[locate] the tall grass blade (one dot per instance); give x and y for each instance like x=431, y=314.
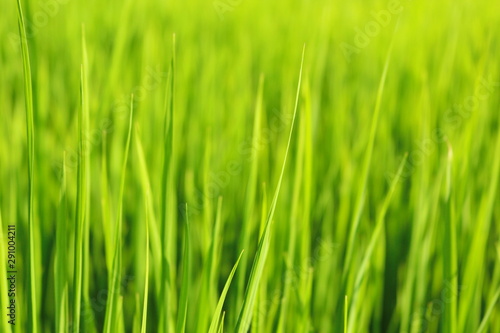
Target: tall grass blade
x=250, y=193
x=30, y=130
x=450, y=264
x=217, y=320
x=245, y=316
x=146, y=271
x=489, y=311
x=368, y=256
x=152, y=222
x=81, y=204
x=209, y=283
x=111, y=320
x=186, y=280
x=168, y=227
x=351, y=242
x=61, y=276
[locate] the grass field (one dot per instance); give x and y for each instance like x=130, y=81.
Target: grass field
x=248, y=165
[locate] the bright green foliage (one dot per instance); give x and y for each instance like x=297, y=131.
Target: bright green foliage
x=191, y=166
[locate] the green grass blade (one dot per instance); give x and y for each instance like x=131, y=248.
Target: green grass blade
x=250, y=193
x=209, y=283
x=368, y=256
x=136, y=324
x=489, y=311
x=112, y=309
x=346, y=312
x=105, y=206
x=221, y=326
x=366, y=163
x=119, y=323
x=294, y=220
x=81, y=203
x=152, y=222
x=245, y=316
x=168, y=227
x=146, y=272
x=30, y=130
x=450, y=263
x=474, y=268
x=186, y=279
x=217, y=321
x=61, y=276
x=259, y=319
x=89, y=324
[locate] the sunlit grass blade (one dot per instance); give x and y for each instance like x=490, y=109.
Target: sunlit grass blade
x=209, y=282
x=250, y=192
x=450, y=264
x=489, y=311
x=221, y=326
x=217, y=320
x=293, y=224
x=306, y=227
x=368, y=256
x=152, y=222
x=245, y=316
x=186, y=280
x=119, y=323
x=346, y=313
x=81, y=203
x=89, y=323
x=105, y=206
x=136, y=324
x=4, y=301
x=112, y=307
x=61, y=276
x=97, y=183
x=260, y=313
x=351, y=242
x=146, y=271
x=473, y=274
x=31, y=294
x=168, y=227
x=427, y=202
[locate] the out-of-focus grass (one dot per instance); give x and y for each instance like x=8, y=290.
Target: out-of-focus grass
x=388, y=183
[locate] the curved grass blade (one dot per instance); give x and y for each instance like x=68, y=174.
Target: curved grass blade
x=250, y=193
x=298, y=190
x=245, y=316
x=152, y=222
x=209, y=283
x=491, y=307
x=473, y=273
x=221, y=326
x=216, y=319
x=379, y=227
x=367, y=162
x=259, y=319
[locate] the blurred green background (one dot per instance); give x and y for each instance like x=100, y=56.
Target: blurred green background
x=425, y=260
